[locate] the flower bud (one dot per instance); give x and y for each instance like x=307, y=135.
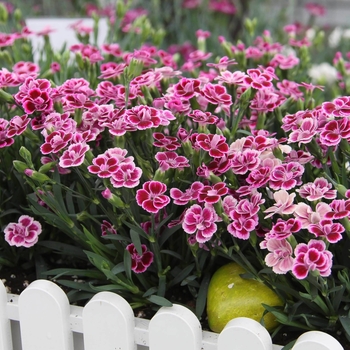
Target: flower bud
x=20, y=166
x=36, y=176
x=26, y=155
x=3, y=13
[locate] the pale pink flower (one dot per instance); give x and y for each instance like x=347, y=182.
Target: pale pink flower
x=334, y=131
x=143, y=117
x=23, y=233
x=284, y=204
x=307, y=216
x=280, y=256
x=245, y=161
x=308, y=129
x=283, y=229
x=231, y=78
x=316, y=190
x=74, y=155
x=18, y=125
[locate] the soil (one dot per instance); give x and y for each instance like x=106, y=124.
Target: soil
x=16, y=280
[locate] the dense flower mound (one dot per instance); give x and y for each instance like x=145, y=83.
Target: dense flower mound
x=175, y=162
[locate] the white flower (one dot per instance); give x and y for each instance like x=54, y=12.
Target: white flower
x=323, y=73
x=335, y=37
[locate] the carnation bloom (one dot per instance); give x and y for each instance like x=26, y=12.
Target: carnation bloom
x=24, y=233
x=284, y=204
x=280, y=256
x=312, y=257
x=139, y=263
x=200, y=221
x=151, y=197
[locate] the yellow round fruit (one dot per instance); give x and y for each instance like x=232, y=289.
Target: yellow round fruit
x=231, y=296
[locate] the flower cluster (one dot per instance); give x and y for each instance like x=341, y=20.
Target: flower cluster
x=158, y=165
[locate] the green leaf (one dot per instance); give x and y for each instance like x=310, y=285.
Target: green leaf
x=167, y=233
x=172, y=253
x=289, y=346
x=118, y=268
x=345, y=322
x=181, y=276
x=156, y=299
x=138, y=229
x=150, y=291
x=57, y=273
x=127, y=264
x=63, y=248
x=135, y=238
x=99, y=261
x=202, y=295
x=96, y=243
x=76, y=285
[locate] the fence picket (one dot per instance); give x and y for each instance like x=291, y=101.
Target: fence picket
x=5, y=326
x=315, y=340
x=108, y=323
x=47, y=322
x=174, y=328
x=44, y=313
x=243, y=333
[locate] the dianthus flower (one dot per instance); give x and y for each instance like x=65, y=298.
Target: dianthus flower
x=139, y=263
x=312, y=257
x=151, y=197
x=24, y=233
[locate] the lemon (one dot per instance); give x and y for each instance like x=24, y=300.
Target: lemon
x=231, y=296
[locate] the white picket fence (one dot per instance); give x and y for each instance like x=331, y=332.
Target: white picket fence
x=42, y=319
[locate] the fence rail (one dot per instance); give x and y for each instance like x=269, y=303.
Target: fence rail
x=42, y=319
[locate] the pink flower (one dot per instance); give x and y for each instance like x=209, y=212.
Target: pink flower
x=334, y=131
x=107, y=228
x=217, y=95
x=170, y=143
x=307, y=216
x=286, y=176
x=143, y=117
x=203, y=118
x=283, y=229
x=312, y=257
x=55, y=141
x=24, y=233
x=316, y=190
x=284, y=204
x=214, y=144
x=257, y=79
x=88, y=52
x=74, y=155
x=223, y=6
x=182, y=198
x=212, y=194
x=308, y=129
x=151, y=197
x=18, y=125
x=200, y=221
x=186, y=88
x=244, y=161
x=280, y=256
x=327, y=229
x=340, y=107
x=139, y=263
x=284, y=62
x=340, y=209
x=172, y=160
x=242, y=226
x=315, y=9
x=104, y=166
x=37, y=100
x=127, y=175
x=111, y=70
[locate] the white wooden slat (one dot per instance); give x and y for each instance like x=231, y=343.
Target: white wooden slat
x=243, y=333
x=315, y=340
x=108, y=323
x=175, y=328
x=5, y=326
x=44, y=313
